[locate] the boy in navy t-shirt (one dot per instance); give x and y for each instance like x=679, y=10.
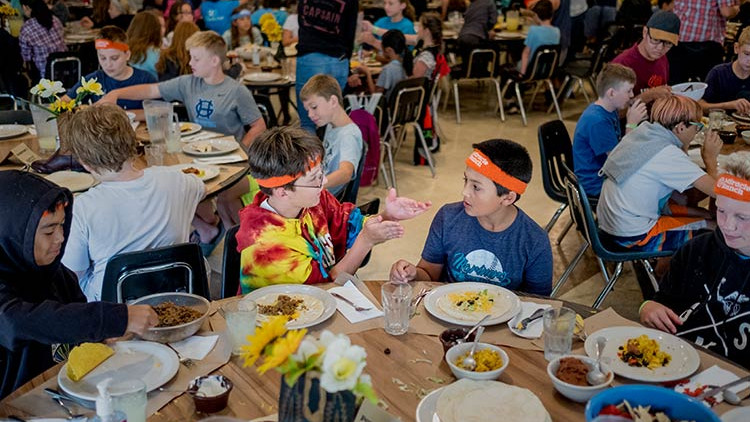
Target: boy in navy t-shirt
x=486, y=237
x=729, y=83
x=113, y=53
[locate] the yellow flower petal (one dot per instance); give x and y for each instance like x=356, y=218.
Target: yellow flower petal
x=282, y=349
x=265, y=334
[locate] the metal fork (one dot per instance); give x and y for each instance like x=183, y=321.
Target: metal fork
x=183, y=360
x=352, y=304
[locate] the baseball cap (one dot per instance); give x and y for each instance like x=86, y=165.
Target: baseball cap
x=664, y=26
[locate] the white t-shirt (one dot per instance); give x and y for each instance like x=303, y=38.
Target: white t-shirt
x=292, y=24
x=632, y=207
x=342, y=144
x=152, y=211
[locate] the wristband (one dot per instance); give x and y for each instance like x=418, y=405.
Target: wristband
x=631, y=126
x=642, y=305
x=375, y=30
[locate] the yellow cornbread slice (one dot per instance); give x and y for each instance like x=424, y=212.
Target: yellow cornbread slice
x=84, y=358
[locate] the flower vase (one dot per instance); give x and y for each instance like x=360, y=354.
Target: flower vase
x=307, y=401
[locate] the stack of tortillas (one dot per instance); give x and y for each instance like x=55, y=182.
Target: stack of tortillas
x=480, y=401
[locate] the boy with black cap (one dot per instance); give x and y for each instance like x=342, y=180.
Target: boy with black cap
x=648, y=58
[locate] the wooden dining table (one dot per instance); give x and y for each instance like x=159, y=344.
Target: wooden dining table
x=229, y=174
x=412, y=360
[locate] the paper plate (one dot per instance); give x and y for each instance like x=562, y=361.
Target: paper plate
x=11, y=131
x=72, y=180
x=262, y=77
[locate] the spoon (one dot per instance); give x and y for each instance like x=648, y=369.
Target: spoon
x=596, y=376
x=469, y=363
x=733, y=398
x=474, y=328
x=166, y=390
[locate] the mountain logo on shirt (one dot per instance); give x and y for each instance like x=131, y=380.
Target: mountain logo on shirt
x=204, y=109
x=478, y=265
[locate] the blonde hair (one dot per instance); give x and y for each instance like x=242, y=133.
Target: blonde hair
x=671, y=110
x=612, y=76
x=323, y=86
x=738, y=164
x=144, y=33
x=744, y=37
x=177, y=51
x=99, y=136
x=211, y=41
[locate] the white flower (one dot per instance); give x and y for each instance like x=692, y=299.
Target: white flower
x=47, y=88
x=342, y=363
x=307, y=348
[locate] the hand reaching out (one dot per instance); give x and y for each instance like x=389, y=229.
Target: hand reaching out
x=376, y=230
x=658, y=316
x=741, y=105
x=141, y=318
x=401, y=208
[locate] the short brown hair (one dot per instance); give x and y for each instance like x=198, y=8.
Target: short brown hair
x=282, y=151
x=99, y=136
x=672, y=110
x=612, y=76
x=211, y=41
x=113, y=33
x=323, y=86
x=744, y=37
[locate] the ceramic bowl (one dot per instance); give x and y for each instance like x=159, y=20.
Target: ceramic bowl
x=460, y=349
x=692, y=90
x=577, y=393
x=210, y=404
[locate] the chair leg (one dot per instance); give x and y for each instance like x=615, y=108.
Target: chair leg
x=592, y=81
x=583, y=89
x=554, y=98
x=502, y=95
x=390, y=157
x=427, y=153
x=651, y=276
x=499, y=99
x=610, y=281
x=573, y=264
x=520, y=104
x=564, y=232
x=455, y=100
x=555, y=216
x=533, y=95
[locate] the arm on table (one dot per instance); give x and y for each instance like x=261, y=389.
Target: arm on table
x=742, y=105
x=654, y=314
x=135, y=92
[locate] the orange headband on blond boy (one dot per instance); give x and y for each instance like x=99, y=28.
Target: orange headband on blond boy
x=102, y=44
x=484, y=166
x=278, y=181
x=733, y=187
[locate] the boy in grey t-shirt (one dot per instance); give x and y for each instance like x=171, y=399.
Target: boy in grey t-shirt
x=212, y=99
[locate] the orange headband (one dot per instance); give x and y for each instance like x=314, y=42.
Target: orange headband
x=479, y=162
x=278, y=181
x=58, y=207
x=102, y=44
x=733, y=187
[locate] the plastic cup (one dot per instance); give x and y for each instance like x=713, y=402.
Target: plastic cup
x=396, y=301
x=558, y=332
x=240, y=317
x=154, y=155
x=129, y=397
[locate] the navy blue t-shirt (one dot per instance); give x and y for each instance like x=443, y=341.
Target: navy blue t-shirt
x=724, y=85
x=597, y=133
x=108, y=84
x=517, y=258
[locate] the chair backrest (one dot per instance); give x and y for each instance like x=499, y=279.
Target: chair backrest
x=543, y=62
x=406, y=101
x=64, y=67
x=8, y=102
x=181, y=111
x=601, y=56
x=481, y=64
x=230, y=264
x=131, y=275
x=556, y=151
x=20, y=117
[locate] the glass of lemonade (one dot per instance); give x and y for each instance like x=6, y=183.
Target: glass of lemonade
x=129, y=397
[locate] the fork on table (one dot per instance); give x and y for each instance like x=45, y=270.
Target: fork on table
x=352, y=304
x=189, y=363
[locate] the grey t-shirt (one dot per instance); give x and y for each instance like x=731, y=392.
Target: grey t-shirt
x=391, y=74
x=479, y=18
x=226, y=107
x=342, y=144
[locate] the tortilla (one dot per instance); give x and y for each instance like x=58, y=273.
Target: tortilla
x=311, y=309
x=479, y=401
x=473, y=304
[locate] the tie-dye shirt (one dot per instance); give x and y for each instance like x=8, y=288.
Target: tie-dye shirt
x=278, y=250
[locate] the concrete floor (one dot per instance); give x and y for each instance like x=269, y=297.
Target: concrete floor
x=480, y=122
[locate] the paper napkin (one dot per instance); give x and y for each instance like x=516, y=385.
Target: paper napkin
x=713, y=377
x=535, y=328
x=350, y=291
x=224, y=159
x=195, y=347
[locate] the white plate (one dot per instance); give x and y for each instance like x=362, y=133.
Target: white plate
x=739, y=414
x=528, y=332
x=190, y=127
x=509, y=36
x=685, y=359
x=741, y=117
x=329, y=303
x=209, y=172
x=261, y=77
x=218, y=147
x=427, y=407
x=73, y=180
x=11, y=131
x=153, y=363
x=430, y=302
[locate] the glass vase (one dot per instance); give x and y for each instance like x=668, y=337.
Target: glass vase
x=307, y=401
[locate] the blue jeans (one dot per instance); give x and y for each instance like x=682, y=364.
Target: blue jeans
x=313, y=64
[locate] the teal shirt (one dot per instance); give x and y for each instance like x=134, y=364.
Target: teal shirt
x=149, y=63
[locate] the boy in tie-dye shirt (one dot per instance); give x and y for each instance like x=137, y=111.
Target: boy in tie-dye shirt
x=297, y=232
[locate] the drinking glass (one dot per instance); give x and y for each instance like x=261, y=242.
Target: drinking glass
x=715, y=119
x=240, y=317
x=129, y=397
x=173, y=135
x=158, y=117
x=46, y=129
x=396, y=301
x=558, y=331
x=154, y=155
x=512, y=20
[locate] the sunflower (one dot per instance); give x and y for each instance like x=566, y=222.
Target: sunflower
x=282, y=348
x=264, y=335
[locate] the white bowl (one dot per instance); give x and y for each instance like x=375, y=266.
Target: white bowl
x=576, y=393
x=684, y=89
x=460, y=349
x=745, y=136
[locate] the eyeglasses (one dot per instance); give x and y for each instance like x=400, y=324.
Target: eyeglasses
x=699, y=125
x=664, y=44
x=320, y=178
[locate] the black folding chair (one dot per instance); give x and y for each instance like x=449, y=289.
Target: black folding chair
x=481, y=67
x=65, y=67
x=230, y=264
x=555, y=150
x=543, y=65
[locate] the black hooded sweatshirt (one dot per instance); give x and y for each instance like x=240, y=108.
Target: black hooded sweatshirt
x=713, y=280
x=40, y=305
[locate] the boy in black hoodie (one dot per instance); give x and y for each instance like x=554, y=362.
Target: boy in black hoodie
x=40, y=300
x=705, y=296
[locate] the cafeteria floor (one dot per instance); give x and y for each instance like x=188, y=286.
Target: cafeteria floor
x=480, y=122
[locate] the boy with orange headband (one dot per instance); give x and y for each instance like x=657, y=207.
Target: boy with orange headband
x=487, y=238
x=297, y=232
x=705, y=296
x=113, y=53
